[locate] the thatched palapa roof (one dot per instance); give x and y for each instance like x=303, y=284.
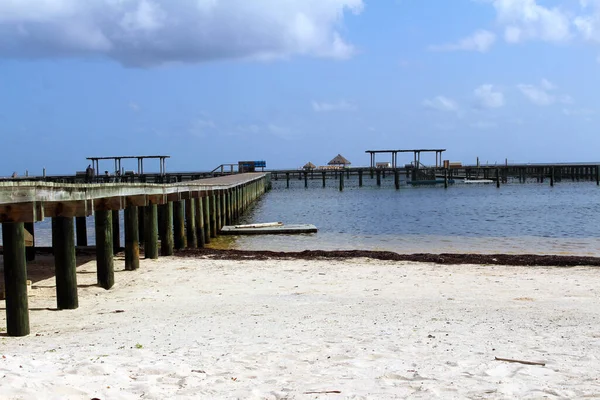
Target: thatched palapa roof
x=309, y=165
x=339, y=160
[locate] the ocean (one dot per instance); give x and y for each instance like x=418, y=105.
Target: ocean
x=529, y=218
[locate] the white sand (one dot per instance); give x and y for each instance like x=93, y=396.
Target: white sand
x=194, y=328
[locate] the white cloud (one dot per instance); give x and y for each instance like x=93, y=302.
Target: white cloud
x=480, y=41
x=543, y=95
x=489, y=97
x=341, y=105
x=199, y=127
x=154, y=32
x=527, y=20
x=441, y=103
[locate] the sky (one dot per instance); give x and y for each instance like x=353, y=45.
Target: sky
x=210, y=82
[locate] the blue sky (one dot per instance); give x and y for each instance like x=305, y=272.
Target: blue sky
x=290, y=81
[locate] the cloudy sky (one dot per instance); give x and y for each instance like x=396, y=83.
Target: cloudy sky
x=290, y=81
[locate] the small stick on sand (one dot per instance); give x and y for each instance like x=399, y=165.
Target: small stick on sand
x=324, y=392
x=520, y=361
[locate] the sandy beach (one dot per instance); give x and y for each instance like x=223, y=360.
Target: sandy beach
x=295, y=329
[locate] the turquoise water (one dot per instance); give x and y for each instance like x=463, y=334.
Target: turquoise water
x=517, y=218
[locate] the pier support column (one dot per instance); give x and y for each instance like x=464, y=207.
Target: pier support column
x=151, y=231
x=323, y=177
x=206, y=217
x=190, y=224
x=396, y=179
x=341, y=181
x=178, y=225
x=371, y=172
x=81, y=228
x=30, y=250
x=287, y=180
x=166, y=229
x=305, y=179
x=132, y=240
x=116, y=232
x=360, y=178
x=445, y=178
x=141, y=220
x=219, y=213
x=65, y=267
x=200, y=222
x=227, y=207
x=497, y=177
x=551, y=176
x=213, y=214
x=378, y=178
x=15, y=279
x=104, y=249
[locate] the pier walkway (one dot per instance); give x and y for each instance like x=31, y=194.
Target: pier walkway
x=182, y=214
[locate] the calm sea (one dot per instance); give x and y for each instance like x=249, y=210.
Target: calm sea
x=517, y=218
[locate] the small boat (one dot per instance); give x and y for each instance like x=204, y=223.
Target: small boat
x=479, y=181
x=268, y=228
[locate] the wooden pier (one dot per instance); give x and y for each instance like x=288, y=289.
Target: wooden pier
x=181, y=214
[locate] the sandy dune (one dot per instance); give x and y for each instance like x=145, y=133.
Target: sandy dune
x=199, y=328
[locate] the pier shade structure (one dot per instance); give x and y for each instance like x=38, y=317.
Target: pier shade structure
x=195, y=210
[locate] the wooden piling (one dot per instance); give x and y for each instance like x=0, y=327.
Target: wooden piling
x=81, y=228
x=378, y=177
x=116, y=232
x=206, y=216
x=15, y=279
x=104, y=249
x=323, y=177
x=30, y=250
x=551, y=176
x=190, y=224
x=287, y=179
x=497, y=177
x=151, y=231
x=132, y=240
x=219, y=213
x=178, y=225
x=305, y=179
x=141, y=223
x=213, y=215
x=65, y=267
x=360, y=178
x=396, y=179
x=445, y=178
x=200, y=222
x=341, y=181
x=597, y=175
x=166, y=229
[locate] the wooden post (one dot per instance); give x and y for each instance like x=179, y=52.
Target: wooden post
x=305, y=179
x=213, y=214
x=341, y=181
x=81, y=228
x=200, y=222
x=287, y=179
x=132, y=240
x=497, y=177
x=116, y=232
x=190, y=224
x=65, y=267
x=378, y=177
x=445, y=178
x=178, y=225
x=104, y=249
x=166, y=229
x=151, y=232
x=223, y=208
x=396, y=179
x=551, y=176
x=30, y=250
x=206, y=217
x=360, y=178
x=226, y=207
x=323, y=177
x=141, y=223
x=15, y=279
x=219, y=213
x=371, y=171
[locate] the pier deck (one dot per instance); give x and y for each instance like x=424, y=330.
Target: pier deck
x=183, y=214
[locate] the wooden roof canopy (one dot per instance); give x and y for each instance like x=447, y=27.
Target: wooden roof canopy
x=339, y=160
x=309, y=165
